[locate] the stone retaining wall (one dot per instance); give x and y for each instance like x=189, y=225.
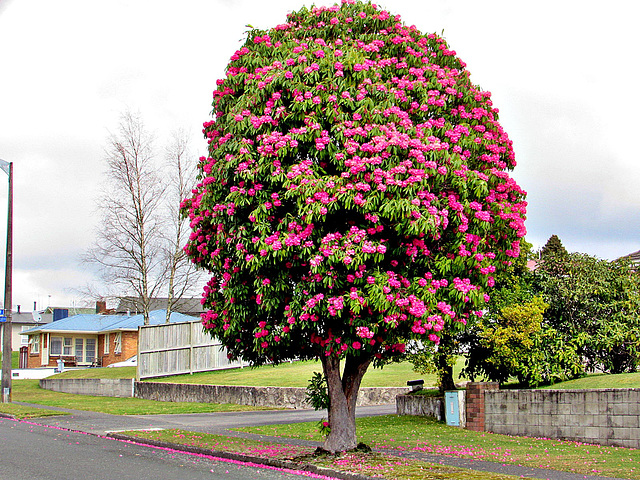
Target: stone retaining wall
x=420, y=405
x=278, y=397
x=287, y=397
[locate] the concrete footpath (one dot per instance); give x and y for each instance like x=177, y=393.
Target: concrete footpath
x=221, y=423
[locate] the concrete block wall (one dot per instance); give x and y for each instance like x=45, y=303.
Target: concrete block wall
x=605, y=417
x=101, y=387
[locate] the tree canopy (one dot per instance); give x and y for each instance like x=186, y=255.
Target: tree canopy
x=595, y=304
x=355, y=195
x=580, y=313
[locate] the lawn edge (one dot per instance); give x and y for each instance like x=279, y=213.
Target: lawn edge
x=307, y=467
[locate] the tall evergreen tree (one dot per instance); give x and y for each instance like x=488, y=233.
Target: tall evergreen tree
x=553, y=256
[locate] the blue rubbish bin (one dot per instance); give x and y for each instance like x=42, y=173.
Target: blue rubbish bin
x=455, y=408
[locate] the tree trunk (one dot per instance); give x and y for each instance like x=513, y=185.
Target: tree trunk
x=446, y=374
x=444, y=360
x=343, y=393
x=172, y=276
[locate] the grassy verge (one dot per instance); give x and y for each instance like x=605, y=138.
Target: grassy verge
x=422, y=434
x=29, y=391
x=374, y=464
x=22, y=412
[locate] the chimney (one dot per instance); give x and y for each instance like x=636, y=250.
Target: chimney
x=101, y=307
x=18, y=308
x=34, y=306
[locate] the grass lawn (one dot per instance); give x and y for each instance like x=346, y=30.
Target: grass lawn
x=22, y=412
x=423, y=434
x=115, y=372
x=622, y=380
x=295, y=374
x=363, y=463
x=29, y=391
x=15, y=359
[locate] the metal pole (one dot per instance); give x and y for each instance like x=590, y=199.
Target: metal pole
x=7, y=328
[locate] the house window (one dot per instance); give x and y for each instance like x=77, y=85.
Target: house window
x=117, y=343
x=56, y=346
x=34, y=344
x=90, y=350
x=67, y=347
x=24, y=339
x=85, y=350
x=79, y=349
x=107, y=337
x=62, y=346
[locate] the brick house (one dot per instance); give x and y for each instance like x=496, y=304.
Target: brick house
x=90, y=339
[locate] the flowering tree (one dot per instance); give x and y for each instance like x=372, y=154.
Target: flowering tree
x=355, y=197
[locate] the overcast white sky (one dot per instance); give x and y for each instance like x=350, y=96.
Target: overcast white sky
x=562, y=73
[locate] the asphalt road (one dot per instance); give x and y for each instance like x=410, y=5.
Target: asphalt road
x=35, y=452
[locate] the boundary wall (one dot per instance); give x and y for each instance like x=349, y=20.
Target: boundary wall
x=99, y=387
x=602, y=416
x=277, y=397
x=421, y=405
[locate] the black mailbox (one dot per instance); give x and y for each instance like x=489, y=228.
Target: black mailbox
x=415, y=384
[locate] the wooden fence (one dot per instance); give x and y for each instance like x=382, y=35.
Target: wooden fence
x=179, y=348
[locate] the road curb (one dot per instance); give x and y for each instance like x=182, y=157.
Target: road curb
x=307, y=467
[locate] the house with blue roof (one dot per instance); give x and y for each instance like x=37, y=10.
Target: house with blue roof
x=91, y=339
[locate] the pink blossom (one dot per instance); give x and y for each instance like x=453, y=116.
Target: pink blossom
x=364, y=332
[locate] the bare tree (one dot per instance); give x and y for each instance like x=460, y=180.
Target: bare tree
x=181, y=274
x=128, y=245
